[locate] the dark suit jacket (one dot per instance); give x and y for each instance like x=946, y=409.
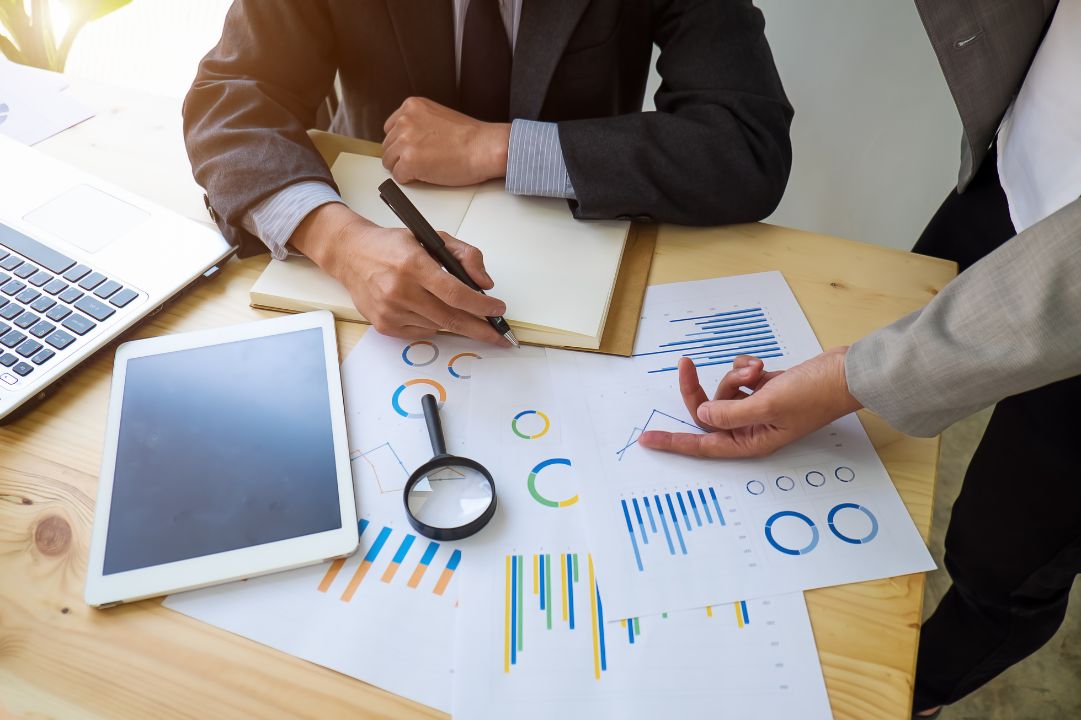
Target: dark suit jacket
x=716, y=150
x=985, y=48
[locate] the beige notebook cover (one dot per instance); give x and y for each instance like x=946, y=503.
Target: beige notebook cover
x=556, y=274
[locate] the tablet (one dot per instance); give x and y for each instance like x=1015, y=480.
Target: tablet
x=225, y=458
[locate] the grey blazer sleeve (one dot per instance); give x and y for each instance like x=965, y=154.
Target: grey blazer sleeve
x=246, y=115
x=1010, y=323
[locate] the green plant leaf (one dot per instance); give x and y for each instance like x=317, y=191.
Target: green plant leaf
x=93, y=9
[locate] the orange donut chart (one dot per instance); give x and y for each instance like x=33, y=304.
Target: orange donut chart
x=395, y=401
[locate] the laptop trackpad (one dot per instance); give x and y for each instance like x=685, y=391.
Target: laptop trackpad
x=87, y=217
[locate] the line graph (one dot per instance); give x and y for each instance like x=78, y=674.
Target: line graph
x=638, y=430
x=386, y=466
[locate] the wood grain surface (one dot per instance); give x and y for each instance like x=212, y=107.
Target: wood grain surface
x=59, y=658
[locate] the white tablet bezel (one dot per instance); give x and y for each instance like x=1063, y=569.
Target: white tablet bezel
x=106, y=590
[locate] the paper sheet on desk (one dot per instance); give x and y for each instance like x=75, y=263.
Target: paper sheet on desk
x=32, y=104
x=821, y=512
x=534, y=637
x=386, y=614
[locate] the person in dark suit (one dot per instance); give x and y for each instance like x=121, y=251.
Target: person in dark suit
x=547, y=94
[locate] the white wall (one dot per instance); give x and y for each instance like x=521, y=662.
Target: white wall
x=150, y=45
x=876, y=139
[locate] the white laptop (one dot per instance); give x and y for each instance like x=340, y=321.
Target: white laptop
x=81, y=261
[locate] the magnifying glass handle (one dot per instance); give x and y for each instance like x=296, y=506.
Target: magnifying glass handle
x=435, y=425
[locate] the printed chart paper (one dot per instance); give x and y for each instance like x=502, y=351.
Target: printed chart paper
x=670, y=532
x=535, y=635
x=386, y=614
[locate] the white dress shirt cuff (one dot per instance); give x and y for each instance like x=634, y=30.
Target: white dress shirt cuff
x=275, y=218
x=535, y=161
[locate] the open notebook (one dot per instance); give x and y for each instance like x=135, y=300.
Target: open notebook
x=555, y=273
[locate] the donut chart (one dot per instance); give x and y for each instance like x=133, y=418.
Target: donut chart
x=532, y=484
x=426, y=355
x=755, y=487
x=396, y=400
x=844, y=474
x=543, y=431
x=815, y=479
x=851, y=540
x=455, y=373
x=787, y=550
x=785, y=483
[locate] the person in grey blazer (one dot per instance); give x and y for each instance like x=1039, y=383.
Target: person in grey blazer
x=546, y=94
x=1007, y=330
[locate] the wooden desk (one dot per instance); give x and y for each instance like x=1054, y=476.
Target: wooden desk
x=59, y=658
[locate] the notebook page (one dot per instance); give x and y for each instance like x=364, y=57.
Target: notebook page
x=359, y=178
x=553, y=272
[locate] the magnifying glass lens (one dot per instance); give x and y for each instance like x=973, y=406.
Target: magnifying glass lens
x=450, y=496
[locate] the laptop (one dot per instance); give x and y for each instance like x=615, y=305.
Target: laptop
x=81, y=262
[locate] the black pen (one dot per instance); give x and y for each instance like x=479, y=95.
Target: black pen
x=426, y=235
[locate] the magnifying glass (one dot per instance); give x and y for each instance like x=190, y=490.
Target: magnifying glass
x=448, y=497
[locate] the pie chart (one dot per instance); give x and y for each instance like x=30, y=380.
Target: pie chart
x=4, y=110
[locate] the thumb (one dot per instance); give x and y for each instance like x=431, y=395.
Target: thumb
x=732, y=414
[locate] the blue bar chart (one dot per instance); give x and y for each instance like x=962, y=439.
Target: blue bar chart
x=715, y=339
x=671, y=515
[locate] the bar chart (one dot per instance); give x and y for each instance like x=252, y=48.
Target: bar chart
x=403, y=549
x=638, y=512
x=714, y=338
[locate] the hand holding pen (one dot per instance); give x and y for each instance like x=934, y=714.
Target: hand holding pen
x=393, y=281
x=435, y=244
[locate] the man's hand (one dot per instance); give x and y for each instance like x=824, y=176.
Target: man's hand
x=429, y=142
x=784, y=407
x=398, y=287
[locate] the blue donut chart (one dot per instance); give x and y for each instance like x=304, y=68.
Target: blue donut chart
x=799, y=516
x=841, y=536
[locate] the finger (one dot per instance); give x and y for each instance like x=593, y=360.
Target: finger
x=456, y=321
x=745, y=372
x=471, y=259
x=394, y=117
x=732, y=414
x=458, y=295
x=765, y=378
x=691, y=389
x=392, y=152
x=711, y=445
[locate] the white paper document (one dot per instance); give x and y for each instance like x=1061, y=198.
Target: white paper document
x=536, y=638
x=386, y=614
x=32, y=104
x=670, y=532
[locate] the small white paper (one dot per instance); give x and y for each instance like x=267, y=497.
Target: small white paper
x=33, y=106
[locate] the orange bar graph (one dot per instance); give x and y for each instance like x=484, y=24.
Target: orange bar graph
x=448, y=572
x=358, y=577
x=332, y=572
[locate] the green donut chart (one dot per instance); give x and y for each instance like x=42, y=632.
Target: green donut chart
x=532, y=484
x=534, y=436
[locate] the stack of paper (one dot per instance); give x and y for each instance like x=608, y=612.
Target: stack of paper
x=612, y=582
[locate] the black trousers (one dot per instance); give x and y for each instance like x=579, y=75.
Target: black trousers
x=1013, y=547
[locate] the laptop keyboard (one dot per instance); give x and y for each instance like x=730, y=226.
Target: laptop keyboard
x=47, y=300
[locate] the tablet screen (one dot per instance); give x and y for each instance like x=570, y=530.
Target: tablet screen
x=220, y=448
